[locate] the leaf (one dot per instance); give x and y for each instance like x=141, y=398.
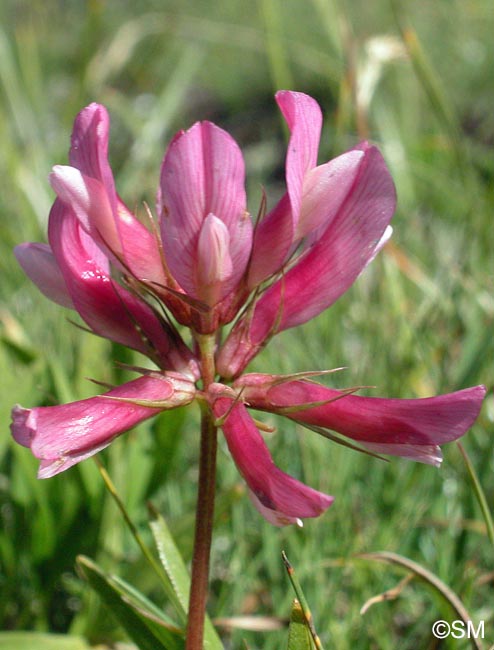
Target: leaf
x=302, y=602
x=143, y=622
x=479, y=492
x=178, y=575
x=299, y=636
x=41, y=641
x=171, y=559
x=148, y=555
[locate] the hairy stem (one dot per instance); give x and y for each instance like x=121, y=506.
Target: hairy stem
x=204, y=509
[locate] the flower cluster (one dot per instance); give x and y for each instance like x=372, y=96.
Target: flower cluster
x=203, y=264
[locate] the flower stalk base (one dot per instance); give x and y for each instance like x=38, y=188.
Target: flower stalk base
x=203, y=533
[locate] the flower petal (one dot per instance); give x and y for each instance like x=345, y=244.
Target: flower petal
x=409, y=427
x=333, y=264
x=214, y=262
x=326, y=270
x=274, y=517
x=273, y=238
x=109, y=309
x=304, y=119
x=280, y=493
x=428, y=454
x=61, y=436
x=89, y=146
x=202, y=174
x=113, y=226
x=325, y=189
x=277, y=232
x=89, y=200
x=39, y=264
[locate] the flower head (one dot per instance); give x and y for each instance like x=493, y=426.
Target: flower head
x=202, y=265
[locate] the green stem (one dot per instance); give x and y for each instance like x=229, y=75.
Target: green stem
x=204, y=509
x=479, y=493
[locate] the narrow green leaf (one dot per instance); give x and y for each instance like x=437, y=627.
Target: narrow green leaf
x=143, y=605
x=171, y=559
x=304, y=605
x=41, y=641
x=299, y=637
x=148, y=555
x=140, y=621
x=479, y=492
x=178, y=575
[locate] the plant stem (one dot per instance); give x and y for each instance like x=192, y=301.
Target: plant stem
x=479, y=492
x=204, y=509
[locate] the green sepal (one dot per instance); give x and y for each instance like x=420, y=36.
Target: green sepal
x=341, y=441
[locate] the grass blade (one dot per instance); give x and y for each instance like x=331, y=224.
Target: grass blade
x=479, y=492
x=299, y=637
x=147, y=631
x=178, y=575
x=304, y=605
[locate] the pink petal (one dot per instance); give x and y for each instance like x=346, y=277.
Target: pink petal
x=141, y=254
x=214, y=263
x=273, y=516
x=304, y=119
x=202, y=174
x=277, y=232
x=325, y=189
x=61, y=436
x=38, y=263
x=278, y=492
x=105, y=306
x=89, y=200
x=273, y=238
x=113, y=227
x=429, y=454
x=89, y=146
x=326, y=270
x=333, y=264
x=391, y=426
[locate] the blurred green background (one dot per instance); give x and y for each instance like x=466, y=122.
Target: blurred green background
x=417, y=79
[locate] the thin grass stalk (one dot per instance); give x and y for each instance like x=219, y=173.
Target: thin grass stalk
x=272, y=15
x=479, y=493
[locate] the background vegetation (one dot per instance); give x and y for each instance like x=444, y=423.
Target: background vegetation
x=414, y=77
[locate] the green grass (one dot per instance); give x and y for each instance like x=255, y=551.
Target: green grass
x=419, y=321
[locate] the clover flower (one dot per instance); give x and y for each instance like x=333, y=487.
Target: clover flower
x=202, y=264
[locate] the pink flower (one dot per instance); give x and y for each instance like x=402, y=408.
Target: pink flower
x=202, y=265
x=205, y=228
x=334, y=219
x=411, y=428
x=61, y=436
x=279, y=497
